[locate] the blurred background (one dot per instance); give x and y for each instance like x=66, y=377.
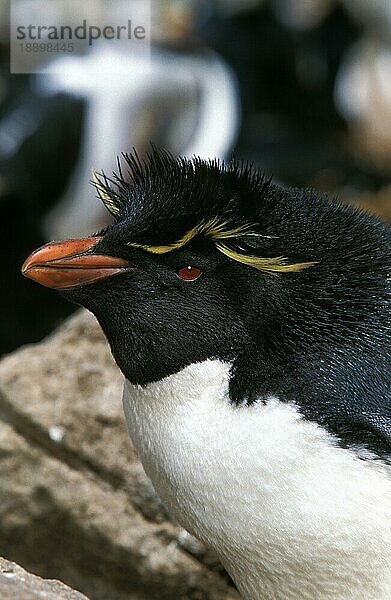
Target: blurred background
x=300, y=87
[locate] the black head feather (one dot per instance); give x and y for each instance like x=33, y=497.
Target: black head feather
x=166, y=196
x=318, y=336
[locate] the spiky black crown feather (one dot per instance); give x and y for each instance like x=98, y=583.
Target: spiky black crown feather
x=170, y=201
x=205, y=186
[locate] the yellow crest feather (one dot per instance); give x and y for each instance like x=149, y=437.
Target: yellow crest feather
x=214, y=229
x=275, y=265
x=218, y=231
x=104, y=196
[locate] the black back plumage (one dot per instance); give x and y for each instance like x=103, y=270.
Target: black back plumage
x=319, y=337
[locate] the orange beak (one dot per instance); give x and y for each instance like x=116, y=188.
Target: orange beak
x=68, y=264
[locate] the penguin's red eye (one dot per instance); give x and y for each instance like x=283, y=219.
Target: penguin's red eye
x=189, y=273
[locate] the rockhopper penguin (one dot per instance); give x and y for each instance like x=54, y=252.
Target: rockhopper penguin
x=252, y=324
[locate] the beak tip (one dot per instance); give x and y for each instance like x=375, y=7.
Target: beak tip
x=26, y=265
x=24, y=268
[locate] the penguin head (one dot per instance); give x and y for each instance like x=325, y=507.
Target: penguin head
x=206, y=260
x=185, y=271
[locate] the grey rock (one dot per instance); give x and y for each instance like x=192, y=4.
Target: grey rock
x=18, y=584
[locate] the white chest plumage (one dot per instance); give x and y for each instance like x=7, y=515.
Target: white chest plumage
x=291, y=515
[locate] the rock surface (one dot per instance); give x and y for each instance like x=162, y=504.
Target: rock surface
x=17, y=584
x=75, y=504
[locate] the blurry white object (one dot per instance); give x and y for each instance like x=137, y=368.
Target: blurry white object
x=129, y=103
x=363, y=96
x=364, y=83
